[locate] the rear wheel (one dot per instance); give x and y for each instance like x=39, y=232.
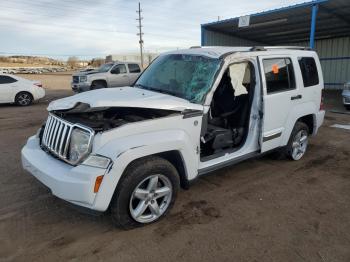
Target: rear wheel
x=23, y=99
x=146, y=192
x=98, y=85
x=298, y=141
x=347, y=107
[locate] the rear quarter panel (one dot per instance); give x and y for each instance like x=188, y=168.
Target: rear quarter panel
x=310, y=104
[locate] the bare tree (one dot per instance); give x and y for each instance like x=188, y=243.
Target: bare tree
x=72, y=61
x=96, y=62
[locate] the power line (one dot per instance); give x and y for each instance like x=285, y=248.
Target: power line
x=140, y=33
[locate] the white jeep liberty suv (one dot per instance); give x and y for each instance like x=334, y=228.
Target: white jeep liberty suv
x=190, y=112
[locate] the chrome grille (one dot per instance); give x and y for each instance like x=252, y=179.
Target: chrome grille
x=57, y=134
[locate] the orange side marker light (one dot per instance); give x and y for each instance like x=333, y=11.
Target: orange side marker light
x=98, y=183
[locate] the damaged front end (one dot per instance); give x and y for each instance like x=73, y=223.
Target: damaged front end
x=69, y=134
x=106, y=118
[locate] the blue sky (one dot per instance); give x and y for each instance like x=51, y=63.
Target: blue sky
x=95, y=28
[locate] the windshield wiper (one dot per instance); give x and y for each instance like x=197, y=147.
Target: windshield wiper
x=142, y=86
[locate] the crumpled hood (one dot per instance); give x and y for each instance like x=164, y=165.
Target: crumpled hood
x=124, y=97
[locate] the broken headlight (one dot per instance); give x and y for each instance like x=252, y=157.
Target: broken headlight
x=79, y=146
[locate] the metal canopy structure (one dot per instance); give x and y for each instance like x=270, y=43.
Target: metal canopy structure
x=310, y=21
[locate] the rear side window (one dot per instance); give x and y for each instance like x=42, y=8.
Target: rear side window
x=279, y=74
x=134, y=68
x=7, y=80
x=308, y=71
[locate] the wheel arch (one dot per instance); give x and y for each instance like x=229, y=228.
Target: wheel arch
x=100, y=80
x=173, y=156
x=176, y=159
x=305, y=113
x=310, y=121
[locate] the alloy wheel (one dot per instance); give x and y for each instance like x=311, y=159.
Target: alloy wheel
x=299, y=144
x=151, y=198
x=24, y=99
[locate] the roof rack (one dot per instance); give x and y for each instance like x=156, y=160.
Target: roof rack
x=265, y=48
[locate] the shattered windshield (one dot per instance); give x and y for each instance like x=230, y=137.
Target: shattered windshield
x=104, y=68
x=186, y=76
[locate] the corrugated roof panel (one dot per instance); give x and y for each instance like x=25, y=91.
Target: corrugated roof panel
x=333, y=20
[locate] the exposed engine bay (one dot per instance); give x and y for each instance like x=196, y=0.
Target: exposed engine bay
x=102, y=119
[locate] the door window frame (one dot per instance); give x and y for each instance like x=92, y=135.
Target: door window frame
x=263, y=76
x=126, y=70
x=301, y=71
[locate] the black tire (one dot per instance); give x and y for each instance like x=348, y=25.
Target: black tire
x=347, y=107
x=23, y=99
x=98, y=85
x=137, y=172
x=288, y=150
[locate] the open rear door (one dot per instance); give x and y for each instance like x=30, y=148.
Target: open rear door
x=279, y=97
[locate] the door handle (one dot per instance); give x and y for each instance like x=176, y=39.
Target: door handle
x=296, y=97
x=125, y=76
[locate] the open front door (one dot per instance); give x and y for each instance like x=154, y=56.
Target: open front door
x=279, y=97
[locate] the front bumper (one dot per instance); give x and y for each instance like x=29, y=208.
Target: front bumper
x=74, y=184
x=80, y=87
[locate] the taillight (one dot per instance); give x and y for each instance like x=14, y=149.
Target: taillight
x=38, y=84
x=322, y=101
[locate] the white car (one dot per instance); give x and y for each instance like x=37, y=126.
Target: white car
x=15, y=89
x=191, y=112
x=346, y=95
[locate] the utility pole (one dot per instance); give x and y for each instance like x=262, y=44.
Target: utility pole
x=140, y=33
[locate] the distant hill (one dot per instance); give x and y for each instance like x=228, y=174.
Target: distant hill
x=29, y=61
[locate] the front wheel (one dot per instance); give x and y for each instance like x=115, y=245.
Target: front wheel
x=298, y=141
x=146, y=192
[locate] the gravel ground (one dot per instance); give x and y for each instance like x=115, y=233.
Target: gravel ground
x=259, y=210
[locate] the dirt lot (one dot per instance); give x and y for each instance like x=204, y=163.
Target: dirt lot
x=259, y=210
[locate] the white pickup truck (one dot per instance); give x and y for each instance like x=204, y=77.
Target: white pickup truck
x=191, y=112
x=114, y=74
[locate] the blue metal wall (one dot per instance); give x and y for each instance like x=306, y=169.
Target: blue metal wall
x=334, y=54
x=211, y=38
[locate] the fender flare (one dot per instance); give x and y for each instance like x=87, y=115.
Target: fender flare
x=130, y=149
